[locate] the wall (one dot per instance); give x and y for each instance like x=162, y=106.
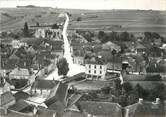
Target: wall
x=100, y=70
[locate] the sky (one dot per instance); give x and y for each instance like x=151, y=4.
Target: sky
x=90, y=4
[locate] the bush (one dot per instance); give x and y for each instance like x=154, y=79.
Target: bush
x=79, y=19
x=153, y=78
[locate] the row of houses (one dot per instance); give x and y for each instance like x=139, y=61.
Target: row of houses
x=61, y=104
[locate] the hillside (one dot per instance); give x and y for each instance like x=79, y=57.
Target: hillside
x=117, y=20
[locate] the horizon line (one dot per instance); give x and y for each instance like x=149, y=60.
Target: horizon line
x=81, y=8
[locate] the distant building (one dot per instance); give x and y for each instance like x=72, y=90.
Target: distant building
x=17, y=44
x=111, y=46
x=140, y=49
x=48, y=33
x=19, y=73
x=95, y=68
x=78, y=60
x=43, y=87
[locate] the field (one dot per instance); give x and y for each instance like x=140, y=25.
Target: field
x=109, y=20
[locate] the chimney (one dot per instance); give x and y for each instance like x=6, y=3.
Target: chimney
x=34, y=110
x=140, y=101
x=24, y=64
x=54, y=115
x=157, y=100
x=127, y=113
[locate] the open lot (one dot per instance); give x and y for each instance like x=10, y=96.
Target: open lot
x=89, y=85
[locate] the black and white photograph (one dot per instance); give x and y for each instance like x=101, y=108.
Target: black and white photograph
x=82, y=58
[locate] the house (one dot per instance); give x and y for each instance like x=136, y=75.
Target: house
x=95, y=67
x=140, y=49
x=4, y=86
x=19, y=73
x=59, y=53
x=100, y=109
x=19, y=106
x=6, y=99
x=7, y=65
x=31, y=50
x=163, y=47
x=57, y=100
x=157, y=42
x=40, y=33
x=48, y=33
x=17, y=44
x=24, y=109
x=43, y=87
x=146, y=81
x=111, y=46
x=78, y=60
x=146, y=109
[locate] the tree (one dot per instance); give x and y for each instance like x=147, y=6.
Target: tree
x=55, y=26
x=158, y=91
x=63, y=67
x=125, y=36
x=127, y=87
x=26, y=30
x=114, y=52
x=117, y=84
x=114, y=36
x=79, y=19
x=140, y=92
x=101, y=34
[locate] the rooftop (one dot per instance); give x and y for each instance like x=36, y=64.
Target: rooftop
x=95, y=60
x=45, y=84
x=146, y=108
x=6, y=98
x=101, y=108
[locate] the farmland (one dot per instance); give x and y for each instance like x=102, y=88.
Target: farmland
x=108, y=20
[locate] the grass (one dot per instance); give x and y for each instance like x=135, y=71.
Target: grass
x=129, y=20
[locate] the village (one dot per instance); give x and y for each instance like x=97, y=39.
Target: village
x=124, y=74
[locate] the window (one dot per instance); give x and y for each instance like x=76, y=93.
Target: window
x=95, y=66
x=89, y=71
x=100, y=67
x=100, y=72
x=95, y=71
x=89, y=66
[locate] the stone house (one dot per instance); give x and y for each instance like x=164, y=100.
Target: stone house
x=95, y=68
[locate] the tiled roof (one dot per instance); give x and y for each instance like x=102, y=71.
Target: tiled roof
x=45, y=84
x=110, y=45
x=6, y=98
x=20, y=72
x=58, y=93
x=73, y=99
x=95, y=60
x=9, y=64
x=101, y=108
x=20, y=105
x=140, y=46
x=21, y=95
x=42, y=112
x=148, y=109
x=73, y=114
